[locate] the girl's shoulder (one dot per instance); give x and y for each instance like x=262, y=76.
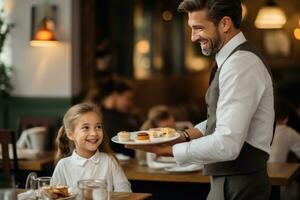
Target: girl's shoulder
x=64, y=161
x=108, y=158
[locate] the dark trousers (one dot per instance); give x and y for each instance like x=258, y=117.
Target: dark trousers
x=251, y=186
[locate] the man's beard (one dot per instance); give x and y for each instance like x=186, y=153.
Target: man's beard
x=215, y=44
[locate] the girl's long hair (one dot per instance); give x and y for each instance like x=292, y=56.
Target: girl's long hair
x=64, y=145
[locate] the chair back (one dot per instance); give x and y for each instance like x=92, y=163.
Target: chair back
x=8, y=137
x=50, y=123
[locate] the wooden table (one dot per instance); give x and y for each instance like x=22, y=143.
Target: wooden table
x=279, y=173
x=282, y=173
x=129, y=196
x=43, y=161
x=117, y=195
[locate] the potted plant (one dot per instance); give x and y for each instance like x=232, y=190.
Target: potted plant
x=5, y=71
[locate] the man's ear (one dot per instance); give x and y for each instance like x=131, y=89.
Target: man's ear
x=225, y=24
x=70, y=134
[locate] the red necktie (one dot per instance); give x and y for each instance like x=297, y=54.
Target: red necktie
x=213, y=71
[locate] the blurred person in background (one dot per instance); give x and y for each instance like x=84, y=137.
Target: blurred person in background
x=158, y=116
x=116, y=102
x=286, y=140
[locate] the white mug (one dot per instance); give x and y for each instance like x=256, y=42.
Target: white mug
x=36, y=140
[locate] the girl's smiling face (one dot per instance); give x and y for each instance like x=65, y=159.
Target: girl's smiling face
x=87, y=134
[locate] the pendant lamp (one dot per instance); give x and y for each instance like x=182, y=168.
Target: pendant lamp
x=43, y=26
x=270, y=16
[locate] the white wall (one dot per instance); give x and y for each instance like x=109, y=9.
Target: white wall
x=42, y=71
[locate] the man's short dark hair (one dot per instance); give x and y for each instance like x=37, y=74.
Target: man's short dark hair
x=217, y=9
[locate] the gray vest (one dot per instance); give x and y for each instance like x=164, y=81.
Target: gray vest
x=250, y=158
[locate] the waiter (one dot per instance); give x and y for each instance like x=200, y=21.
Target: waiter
x=234, y=142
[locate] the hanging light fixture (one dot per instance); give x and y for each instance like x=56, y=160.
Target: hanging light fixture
x=270, y=17
x=244, y=11
x=297, y=32
x=43, y=26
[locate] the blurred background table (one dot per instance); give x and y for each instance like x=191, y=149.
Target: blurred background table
x=144, y=178
x=43, y=161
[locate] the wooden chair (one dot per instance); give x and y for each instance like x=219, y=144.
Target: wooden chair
x=51, y=123
x=8, y=137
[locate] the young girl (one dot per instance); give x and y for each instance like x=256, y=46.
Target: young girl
x=84, y=153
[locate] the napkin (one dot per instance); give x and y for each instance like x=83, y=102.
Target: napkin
x=28, y=195
x=152, y=163
x=188, y=168
x=159, y=165
x=121, y=156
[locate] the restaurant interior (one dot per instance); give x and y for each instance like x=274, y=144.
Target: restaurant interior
x=145, y=43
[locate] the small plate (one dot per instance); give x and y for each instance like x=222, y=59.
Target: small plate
x=189, y=168
x=156, y=141
x=165, y=159
x=122, y=157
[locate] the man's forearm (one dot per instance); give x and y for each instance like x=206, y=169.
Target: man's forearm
x=194, y=133
x=189, y=134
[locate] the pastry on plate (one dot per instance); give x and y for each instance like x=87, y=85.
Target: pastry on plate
x=169, y=132
x=55, y=192
x=142, y=137
x=124, y=136
x=156, y=133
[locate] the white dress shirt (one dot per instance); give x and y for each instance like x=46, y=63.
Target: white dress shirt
x=70, y=170
x=285, y=139
x=245, y=110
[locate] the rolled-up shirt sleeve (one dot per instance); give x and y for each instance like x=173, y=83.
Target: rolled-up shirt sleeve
x=241, y=89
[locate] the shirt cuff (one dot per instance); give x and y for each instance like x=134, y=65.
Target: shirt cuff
x=180, y=154
x=201, y=126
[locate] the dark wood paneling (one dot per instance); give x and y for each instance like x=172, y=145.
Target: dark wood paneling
x=15, y=107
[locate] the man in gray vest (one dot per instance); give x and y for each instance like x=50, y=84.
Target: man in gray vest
x=234, y=142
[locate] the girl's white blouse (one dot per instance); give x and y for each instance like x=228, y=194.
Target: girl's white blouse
x=70, y=170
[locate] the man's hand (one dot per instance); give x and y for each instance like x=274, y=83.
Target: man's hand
x=166, y=148
x=159, y=149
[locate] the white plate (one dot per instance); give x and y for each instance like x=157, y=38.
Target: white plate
x=165, y=159
x=189, y=168
x=122, y=157
x=156, y=141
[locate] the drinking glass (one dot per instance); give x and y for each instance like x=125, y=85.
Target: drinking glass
x=141, y=157
x=43, y=181
x=37, y=183
x=93, y=189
